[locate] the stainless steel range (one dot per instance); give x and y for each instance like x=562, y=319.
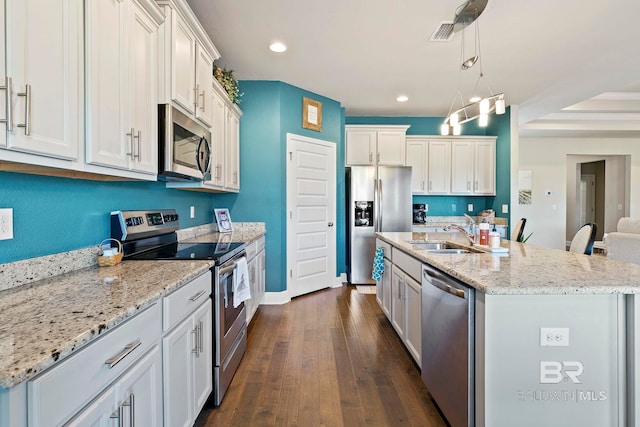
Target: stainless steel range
x=151, y=235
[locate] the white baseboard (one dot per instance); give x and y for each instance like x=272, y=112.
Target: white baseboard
x=276, y=298
x=339, y=280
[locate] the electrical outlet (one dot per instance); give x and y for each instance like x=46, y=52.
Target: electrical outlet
x=470, y=207
x=505, y=208
x=554, y=337
x=192, y=212
x=6, y=224
x=453, y=207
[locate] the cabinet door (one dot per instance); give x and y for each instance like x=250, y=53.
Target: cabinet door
x=102, y=412
x=391, y=148
x=106, y=143
x=142, y=90
x=183, y=64
x=204, y=75
x=462, y=167
x=397, y=301
x=139, y=392
x=232, y=151
x=417, y=159
x=177, y=349
x=485, y=167
x=3, y=74
x=218, y=142
x=203, y=359
x=45, y=59
x=439, y=168
x=413, y=304
x=360, y=147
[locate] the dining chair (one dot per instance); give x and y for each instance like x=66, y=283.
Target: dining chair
x=518, y=230
x=582, y=242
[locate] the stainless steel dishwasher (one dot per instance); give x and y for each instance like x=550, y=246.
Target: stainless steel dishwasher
x=448, y=345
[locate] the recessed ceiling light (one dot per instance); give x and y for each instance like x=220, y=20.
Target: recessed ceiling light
x=402, y=98
x=277, y=47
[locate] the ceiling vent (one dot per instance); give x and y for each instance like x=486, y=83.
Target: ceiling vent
x=443, y=33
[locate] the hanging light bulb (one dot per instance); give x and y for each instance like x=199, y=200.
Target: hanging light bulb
x=453, y=119
x=500, y=106
x=484, y=107
x=483, y=120
x=457, y=129
x=444, y=129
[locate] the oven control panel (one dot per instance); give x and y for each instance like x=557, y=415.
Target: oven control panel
x=132, y=225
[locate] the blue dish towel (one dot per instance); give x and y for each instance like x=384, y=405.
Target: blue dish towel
x=378, y=264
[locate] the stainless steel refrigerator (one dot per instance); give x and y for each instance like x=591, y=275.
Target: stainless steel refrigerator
x=375, y=202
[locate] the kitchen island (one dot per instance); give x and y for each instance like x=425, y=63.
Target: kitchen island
x=555, y=332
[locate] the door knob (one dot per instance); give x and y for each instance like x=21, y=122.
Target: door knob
x=330, y=224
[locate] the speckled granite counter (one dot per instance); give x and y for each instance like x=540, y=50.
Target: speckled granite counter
x=525, y=269
x=47, y=320
x=69, y=304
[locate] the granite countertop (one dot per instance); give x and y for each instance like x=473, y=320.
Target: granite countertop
x=526, y=269
x=47, y=320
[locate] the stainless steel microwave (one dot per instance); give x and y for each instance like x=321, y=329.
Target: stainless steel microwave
x=184, y=151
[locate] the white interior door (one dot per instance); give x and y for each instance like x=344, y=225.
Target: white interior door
x=311, y=206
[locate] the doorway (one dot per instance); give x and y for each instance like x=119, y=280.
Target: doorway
x=311, y=214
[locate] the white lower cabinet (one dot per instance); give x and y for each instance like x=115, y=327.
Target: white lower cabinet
x=187, y=352
x=136, y=399
x=399, y=294
x=256, y=266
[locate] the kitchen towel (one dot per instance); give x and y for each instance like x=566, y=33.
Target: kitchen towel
x=241, y=291
x=378, y=264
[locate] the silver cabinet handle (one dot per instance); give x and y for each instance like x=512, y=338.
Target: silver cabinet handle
x=131, y=403
x=370, y=157
x=27, y=110
x=118, y=414
x=468, y=185
x=7, y=103
x=131, y=136
x=139, y=138
x=113, y=361
x=195, y=90
x=201, y=340
x=202, y=95
x=430, y=185
x=198, y=295
x=194, y=334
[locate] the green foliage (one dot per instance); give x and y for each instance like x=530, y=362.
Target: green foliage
x=229, y=83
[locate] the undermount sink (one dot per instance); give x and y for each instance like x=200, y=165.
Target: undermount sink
x=441, y=248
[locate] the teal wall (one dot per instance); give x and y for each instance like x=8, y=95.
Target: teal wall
x=443, y=205
x=271, y=109
x=52, y=214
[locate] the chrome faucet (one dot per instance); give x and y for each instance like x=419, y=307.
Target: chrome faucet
x=469, y=238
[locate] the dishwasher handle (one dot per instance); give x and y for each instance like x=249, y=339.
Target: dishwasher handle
x=438, y=281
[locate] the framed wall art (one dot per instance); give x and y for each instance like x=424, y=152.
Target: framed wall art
x=311, y=114
x=224, y=220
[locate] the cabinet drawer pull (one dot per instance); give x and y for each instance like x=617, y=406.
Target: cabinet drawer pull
x=113, y=361
x=131, y=136
x=27, y=110
x=195, y=333
x=201, y=340
x=7, y=102
x=198, y=295
x=139, y=138
x=196, y=90
x=131, y=403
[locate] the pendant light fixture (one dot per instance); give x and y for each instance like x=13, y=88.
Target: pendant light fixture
x=478, y=107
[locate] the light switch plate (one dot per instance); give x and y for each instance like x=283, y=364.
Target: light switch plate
x=470, y=207
x=6, y=224
x=505, y=208
x=192, y=212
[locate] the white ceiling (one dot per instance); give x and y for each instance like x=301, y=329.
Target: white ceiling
x=545, y=55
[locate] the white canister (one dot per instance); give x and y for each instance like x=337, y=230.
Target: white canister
x=494, y=239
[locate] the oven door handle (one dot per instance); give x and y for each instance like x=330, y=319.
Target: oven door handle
x=228, y=269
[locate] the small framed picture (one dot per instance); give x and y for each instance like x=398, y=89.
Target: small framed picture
x=311, y=114
x=224, y=220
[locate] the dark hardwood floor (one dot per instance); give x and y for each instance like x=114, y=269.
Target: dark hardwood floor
x=330, y=358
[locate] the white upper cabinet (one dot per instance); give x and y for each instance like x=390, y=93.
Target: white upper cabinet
x=485, y=167
x=218, y=141
x=121, y=85
x=417, y=152
x=4, y=93
x=462, y=167
x=186, y=62
x=45, y=62
x=232, y=166
x=375, y=145
x=455, y=165
x=439, y=167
